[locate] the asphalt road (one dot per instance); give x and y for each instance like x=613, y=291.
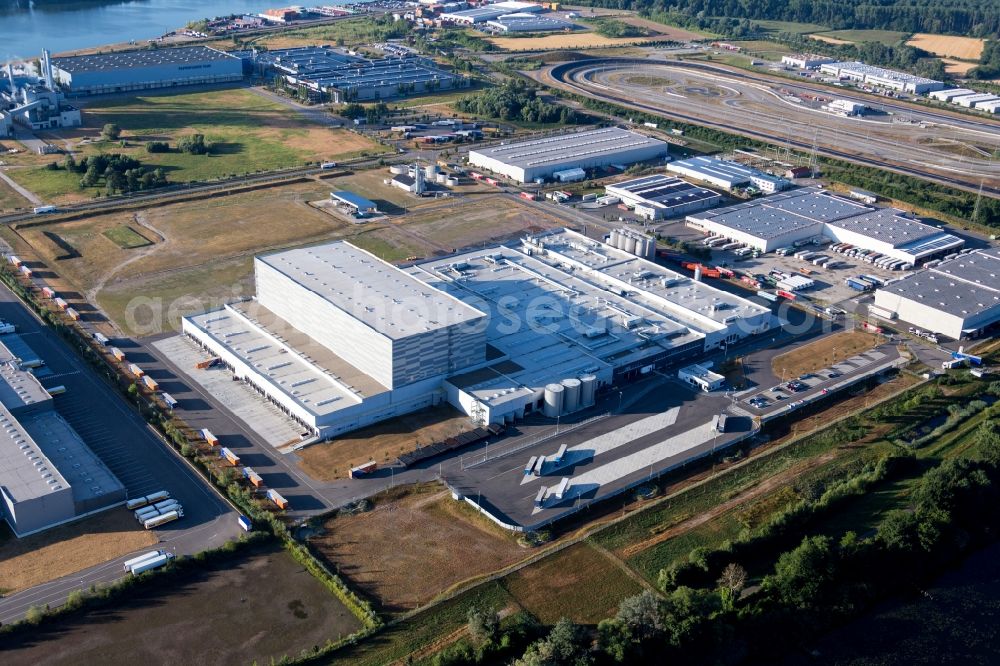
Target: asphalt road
x=753, y=106
x=125, y=443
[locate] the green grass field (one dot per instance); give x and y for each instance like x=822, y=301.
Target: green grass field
x=579, y=583
x=126, y=238
x=887, y=37
x=9, y=199
x=246, y=133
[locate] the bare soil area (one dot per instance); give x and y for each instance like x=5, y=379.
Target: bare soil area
x=254, y=609
x=382, y=442
x=416, y=543
x=824, y=352
x=70, y=548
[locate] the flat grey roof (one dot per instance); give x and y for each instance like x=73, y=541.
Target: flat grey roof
x=558, y=149
x=103, y=62
x=888, y=225
x=711, y=167
x=530, y=23
x=18, y=387
x=964, y=287
x=376, y=293
x=661, y=191
x=776, y=215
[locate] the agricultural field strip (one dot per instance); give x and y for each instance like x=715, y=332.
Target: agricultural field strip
x=612, y=440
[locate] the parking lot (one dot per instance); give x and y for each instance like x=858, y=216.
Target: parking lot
x=788, y=393
x=129, y=448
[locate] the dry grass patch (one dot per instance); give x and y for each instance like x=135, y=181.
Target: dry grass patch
x=382, y=442
x=70, y=548
x=822, y=353
x=579, y=583
x=958, y=67
x=10, y=199
x=477, y=220
x=965, y=48
x=414, y=545
x=829, y=40
x=582, y=40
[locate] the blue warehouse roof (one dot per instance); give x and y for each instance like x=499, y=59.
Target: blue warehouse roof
x=352, y=199
x=106, y=62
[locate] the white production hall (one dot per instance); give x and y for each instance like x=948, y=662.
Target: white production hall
x=339, y=339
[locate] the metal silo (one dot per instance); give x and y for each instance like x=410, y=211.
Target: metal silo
x=588, y=389
x=629, y=244
x=553, y=400
x=571, y=395
x=613, y=240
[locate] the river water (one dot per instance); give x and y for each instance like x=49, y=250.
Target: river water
x=26, y=27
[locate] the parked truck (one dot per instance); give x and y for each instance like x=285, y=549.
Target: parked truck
x=209, y=437
x=60, y=303
x=48, y=293
x=135, y=370
x=162, y=519
x=118, y=354
x=128, y=564
x=253, y=477
x=231, y=457
x=363, y=470
x=276, y=497
x=73, y=314
x=152, y=498
x=153, y=563
x=150, y=383
x=858, y=285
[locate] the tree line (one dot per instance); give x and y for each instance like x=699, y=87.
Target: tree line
x=118, y=173
x=515, y=100
x=976, y=18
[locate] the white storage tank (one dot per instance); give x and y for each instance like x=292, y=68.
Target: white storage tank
x=451, y=182
x=588, y=390
x=398, y=169
x=553, y=405
x=571, y=395
x=430, y=171
x=441, y=178
x=650, y=252
x=629, y=245
x=615, y=236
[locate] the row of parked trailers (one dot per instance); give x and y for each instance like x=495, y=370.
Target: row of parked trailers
x=155, y=509
x=882, y=261
x=462, y=440
x=537, y=465
x=147, y=561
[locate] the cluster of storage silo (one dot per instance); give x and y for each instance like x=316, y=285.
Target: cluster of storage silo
x=633, y=243
x=570, y=395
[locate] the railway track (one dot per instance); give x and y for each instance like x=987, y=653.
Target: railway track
x=574, y=77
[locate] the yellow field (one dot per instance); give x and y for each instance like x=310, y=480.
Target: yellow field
x=957, y=67
x=966, y=48
x=829, y=40
x=583, y=40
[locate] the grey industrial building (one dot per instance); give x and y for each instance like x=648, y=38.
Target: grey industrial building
x=881, y=77
x=125, y=71
x=339, y=339
x=522, y=22
x=959, y=298
x=727, y=174
x=526, y=161
x=331, y=74
x=485, y=13
x=659, y=196
x=48, y=476
x=782, y=219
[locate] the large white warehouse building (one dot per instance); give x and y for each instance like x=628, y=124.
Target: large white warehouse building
x=525, y=161
x=340, y=339
x=782, y=219
x=959, y=298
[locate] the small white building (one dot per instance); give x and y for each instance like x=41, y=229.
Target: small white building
x=846, y=107
x=802, y=61
x=701, y=377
